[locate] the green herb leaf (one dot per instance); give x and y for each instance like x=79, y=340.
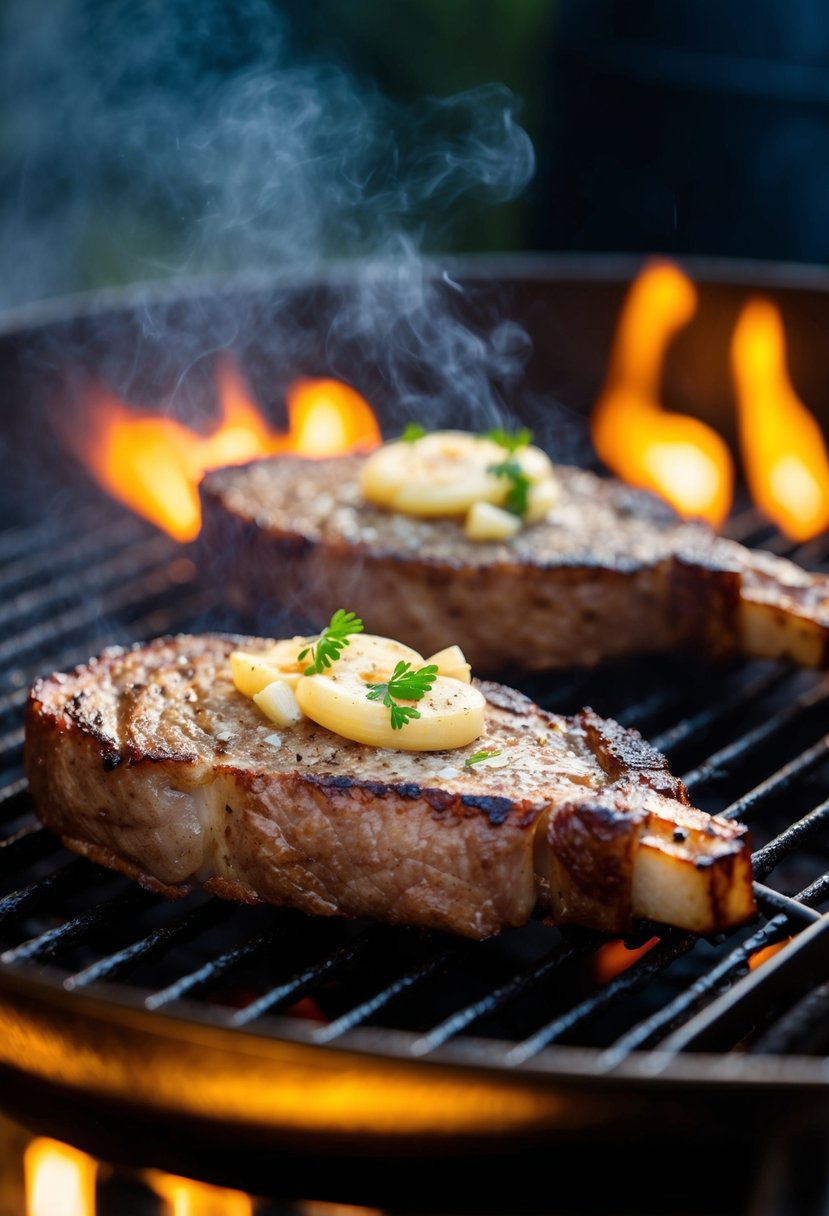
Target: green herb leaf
x=331, y=641
x=413, y=431
x=510, y=441
x=405, y=684
x=520, y=484
x=477, y=757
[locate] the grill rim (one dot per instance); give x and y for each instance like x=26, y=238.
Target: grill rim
x=149, y=1045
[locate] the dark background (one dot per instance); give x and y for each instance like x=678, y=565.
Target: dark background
x=683, y=128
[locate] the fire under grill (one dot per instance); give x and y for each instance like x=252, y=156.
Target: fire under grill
x=256, y=1047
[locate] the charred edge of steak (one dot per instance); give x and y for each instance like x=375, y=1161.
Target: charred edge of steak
x=594, y=847
x=495, y=808
x=624, y=754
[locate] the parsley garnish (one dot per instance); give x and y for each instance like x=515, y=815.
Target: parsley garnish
x=413, y=431
x=516, y=499
x=510, y=442
x=406, y=685
x=520, y=484
x=482, y=755
x=331, y=641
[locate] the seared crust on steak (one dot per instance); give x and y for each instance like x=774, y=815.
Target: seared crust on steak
x=149, y=761
x=610, y=571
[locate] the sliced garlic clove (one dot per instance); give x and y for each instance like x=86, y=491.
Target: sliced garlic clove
x=252, y=672
x=444, y=473
x=487, y=522
x=278, y=703
x=284, y=655
x=451, y=662
x=541, y=498
x=451, y=713
x=374, y=657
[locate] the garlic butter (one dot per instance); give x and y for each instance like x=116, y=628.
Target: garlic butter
x=454, y=473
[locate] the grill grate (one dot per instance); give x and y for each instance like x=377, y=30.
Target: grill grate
x=758, y=750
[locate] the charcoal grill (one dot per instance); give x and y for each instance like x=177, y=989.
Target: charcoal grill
x=318, y=1058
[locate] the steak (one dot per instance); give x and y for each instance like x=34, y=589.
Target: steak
x=610, y=571
x=149, y=761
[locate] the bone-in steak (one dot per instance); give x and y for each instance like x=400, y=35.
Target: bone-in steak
x=149, y=761
x=610, y=571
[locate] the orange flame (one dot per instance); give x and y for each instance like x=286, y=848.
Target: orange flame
x=154, y=464
x=676, y=456
x=785, y=458
x=762, y=956
x=614, y=957
x=186, y=1198
x=60, y=1181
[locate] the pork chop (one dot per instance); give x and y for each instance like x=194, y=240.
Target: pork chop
x=149, y=761
x=610, y=571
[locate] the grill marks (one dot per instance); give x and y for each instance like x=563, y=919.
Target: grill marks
x=755, y=748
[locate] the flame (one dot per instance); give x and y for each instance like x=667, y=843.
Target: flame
x=614, y=957
x=784, y=454
x=154, y=464
x=762, y=956
x=676, y=456
x=60, y=1181
x=187, y=1198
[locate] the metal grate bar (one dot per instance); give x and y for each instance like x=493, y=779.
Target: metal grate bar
x=765, y=859
x=735, y=964
x=366, y=1009
x=782, y=979
x=752, y=739
x=778, y=781
x=672, y=946
x=27, y=538
x=656, y=703
x=29, y=844
x=27, y=898
x=774, y=904
x=59, y=566
x=216, y=969
x=817, y=891
x=15, y=787
x=297, y=984
x=50, y=943
x=798, y=1028
x=726, y=705
x=139, y=590
x=46, y=600
x=495, y=1000
x=123, y=961
x=12, y=741
x=149, y=625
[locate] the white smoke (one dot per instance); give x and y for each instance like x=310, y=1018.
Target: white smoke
x=170, y=139
x=146, y=138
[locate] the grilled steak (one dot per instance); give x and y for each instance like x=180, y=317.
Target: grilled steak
x=149, y=761
x=610, y=571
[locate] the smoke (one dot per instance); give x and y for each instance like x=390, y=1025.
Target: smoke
x=152, y=138
x=162, y=139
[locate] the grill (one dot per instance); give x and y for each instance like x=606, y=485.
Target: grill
x=259, y=1048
